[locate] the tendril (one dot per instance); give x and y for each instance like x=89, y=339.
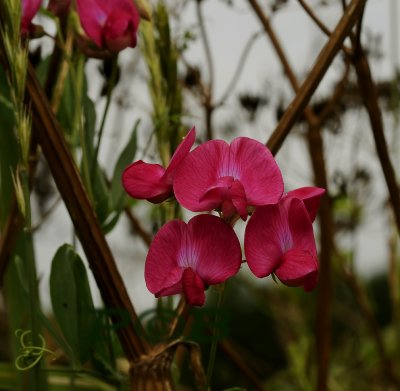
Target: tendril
x=30, y=354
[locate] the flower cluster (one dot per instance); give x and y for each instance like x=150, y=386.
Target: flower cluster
x=237, y=180
x=110, y=25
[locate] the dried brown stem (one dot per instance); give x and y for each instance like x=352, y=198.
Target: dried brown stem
x=369, y=95
x=324, y=298
x=8, y=238
x=67, y=179
x=208, y=90
x=319, y=22
x=135, y=223
x=319, y=69
x=315, y=144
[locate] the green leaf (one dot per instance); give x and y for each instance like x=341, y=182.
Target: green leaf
x=72, y=302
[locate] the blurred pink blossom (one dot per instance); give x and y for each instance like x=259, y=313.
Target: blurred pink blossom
x=110, y=24
x=186, y=258
x=29, y=10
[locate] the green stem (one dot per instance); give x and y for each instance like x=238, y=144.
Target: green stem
x=110, y=88
x=77, y=81
x=38, y=381
x=215, y=334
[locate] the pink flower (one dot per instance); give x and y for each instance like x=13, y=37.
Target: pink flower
x=279, y=239
x=111, y=24
x=186, y=258
x=231, y=178
x=29, y=10
x=151, y=181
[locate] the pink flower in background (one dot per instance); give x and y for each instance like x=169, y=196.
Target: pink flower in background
x=186, y=258
x=111, y=24
x=279, y=239
x=29, y=10
x=152, y=181
x=231, y=178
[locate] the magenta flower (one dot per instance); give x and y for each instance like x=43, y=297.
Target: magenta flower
x=110, y=24
x=29, y=10
x=153, y=182
x=279, y=239
x=230, y=178
x=186, y=258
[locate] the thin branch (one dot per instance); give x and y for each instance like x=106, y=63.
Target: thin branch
x=370, y=98
x=315, y=145
x=319, y=23
x=9, y=235
x=208, y=92
x=275, y=42
x=206, y=44
x=318, y=71
x=239, y=68
x=144, y=235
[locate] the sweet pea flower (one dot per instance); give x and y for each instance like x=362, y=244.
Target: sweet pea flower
x=231, y=178
x=152, y=181
x=186, y=258
x=279, y=239
x=29, y=10
x=110, y=24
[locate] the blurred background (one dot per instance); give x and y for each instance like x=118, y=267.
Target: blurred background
x=221, y=73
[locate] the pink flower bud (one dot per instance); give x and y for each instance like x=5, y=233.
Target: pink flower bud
x=153, y=182
x=111, y=25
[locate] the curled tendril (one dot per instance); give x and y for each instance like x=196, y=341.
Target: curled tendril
x=30, y=354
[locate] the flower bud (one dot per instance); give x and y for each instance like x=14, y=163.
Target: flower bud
x=111, y=25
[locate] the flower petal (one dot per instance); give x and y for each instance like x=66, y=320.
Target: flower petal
x=311, y=196
x=300, y=226
x=253, y=164
x=29, y=10
x=193, y=287
x=266, y=238
x=93, y=16
x=299, y=268
x=144, y=181
x=110, y=24
x=162, y=272
x=198, y=173
x=212, y=249
x=238, y=196
x=180, y=154
x=119, y=32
